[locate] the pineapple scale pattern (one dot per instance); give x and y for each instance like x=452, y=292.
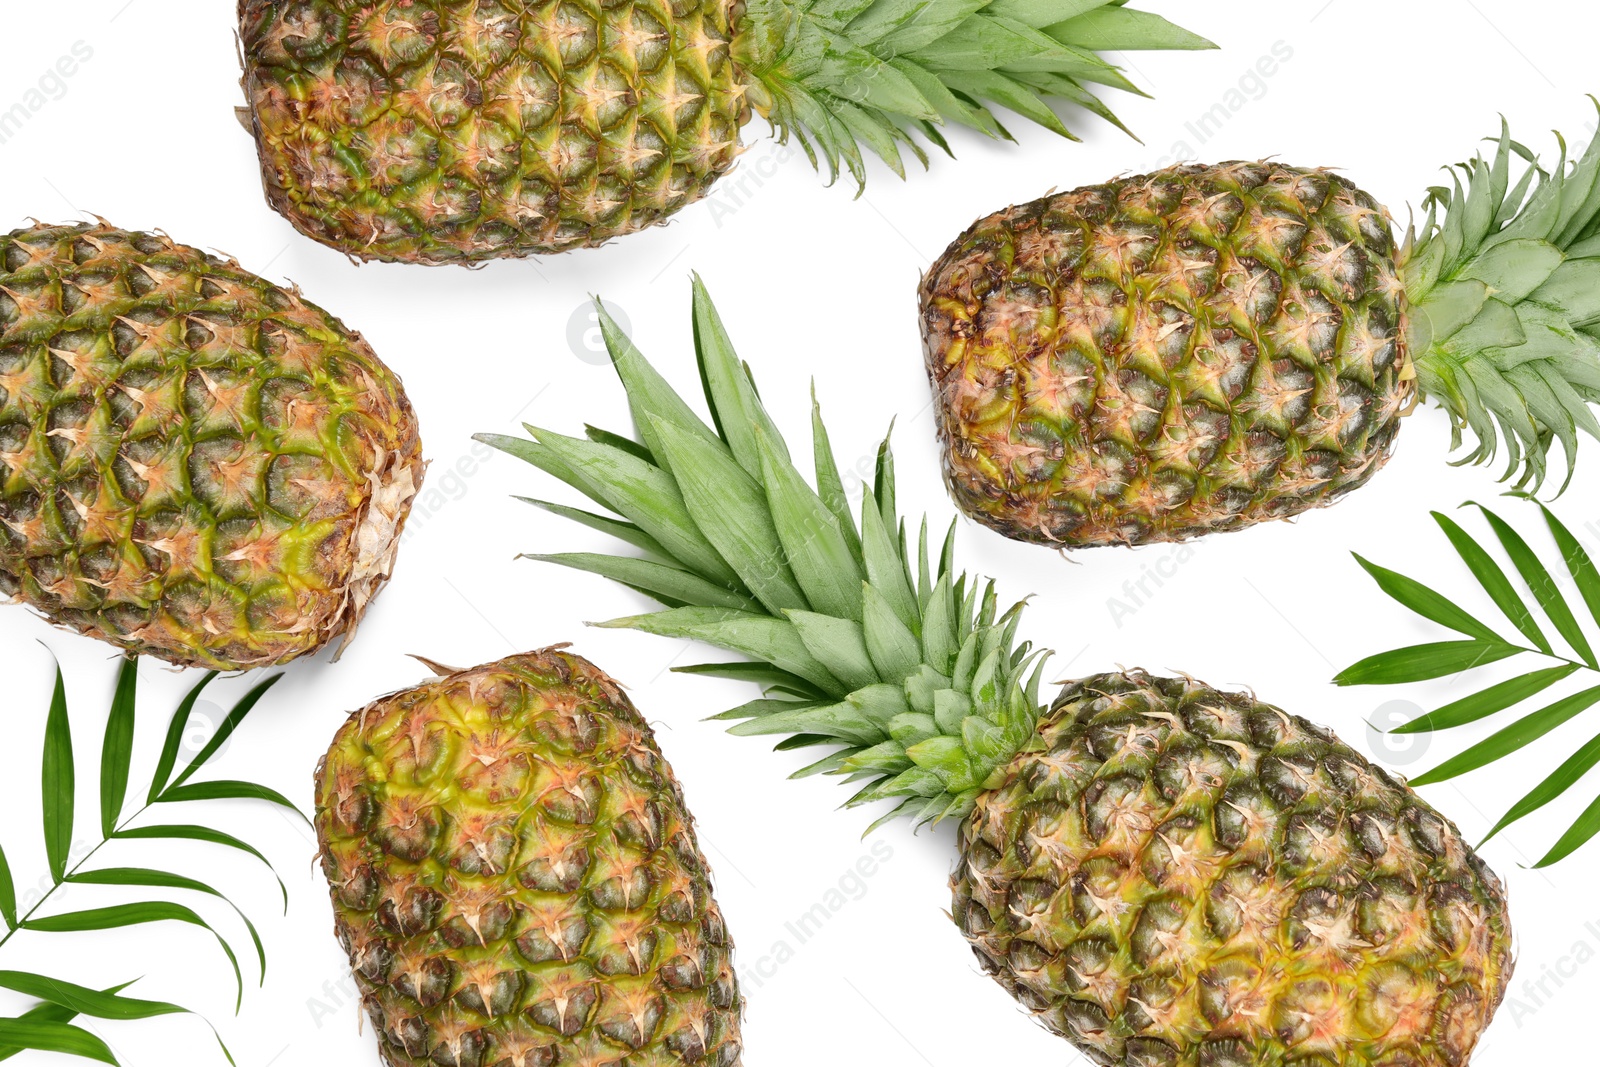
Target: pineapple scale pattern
x=516, y=878
x=456, y=132
x=1178, y=877
x=1166, y=356
x=194, y=464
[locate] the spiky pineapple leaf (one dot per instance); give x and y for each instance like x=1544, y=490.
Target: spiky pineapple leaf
x=1541, y=594
x=906, y=670
x=1504, y=281
x=840, y=74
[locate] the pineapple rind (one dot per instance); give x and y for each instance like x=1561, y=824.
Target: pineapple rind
x=1178, y=876
x=457, y=133
x=516, y=879
x=418, y=132
x=1169, y=355
x=195, y=464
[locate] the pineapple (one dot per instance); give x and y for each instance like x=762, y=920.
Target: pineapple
x=421, y=132
x=194, y=464
x=516, y=879
x=1210, y=347
x=1162, y=873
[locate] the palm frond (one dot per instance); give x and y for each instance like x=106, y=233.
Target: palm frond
x=49, y=1025
x=1534, y=604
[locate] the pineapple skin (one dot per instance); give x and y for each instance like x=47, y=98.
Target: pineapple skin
x=416, y=132
x=516, y=879
x=194, y=464
x=1191, y=351
x=1178, y=877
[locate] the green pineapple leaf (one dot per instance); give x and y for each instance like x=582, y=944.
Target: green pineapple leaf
x=47, y=1026
x=839, y=75
x=1504, y=284
x=862, y=643
x=1540, y=594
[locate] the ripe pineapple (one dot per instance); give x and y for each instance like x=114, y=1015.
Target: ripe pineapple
x=194, y=464
x=1210, y=347
x=516, y=879
x=417, y=132
x=1160, y=872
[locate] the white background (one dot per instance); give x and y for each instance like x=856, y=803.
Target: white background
x=811, y=283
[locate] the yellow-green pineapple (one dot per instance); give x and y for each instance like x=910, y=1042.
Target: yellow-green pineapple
x=516, y=879
x=1210, y=347
x=456, y=131
x=195, y=464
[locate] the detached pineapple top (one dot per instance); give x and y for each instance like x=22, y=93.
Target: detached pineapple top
x=516, y=879
x=455, y=133
x=194, y=464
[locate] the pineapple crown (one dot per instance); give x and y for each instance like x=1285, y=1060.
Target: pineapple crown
x=1504, y=286
x=839, y=74
x=907, y=672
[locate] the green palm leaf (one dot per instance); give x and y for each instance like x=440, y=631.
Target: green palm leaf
x=47, y=1027
x=1540, y=594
